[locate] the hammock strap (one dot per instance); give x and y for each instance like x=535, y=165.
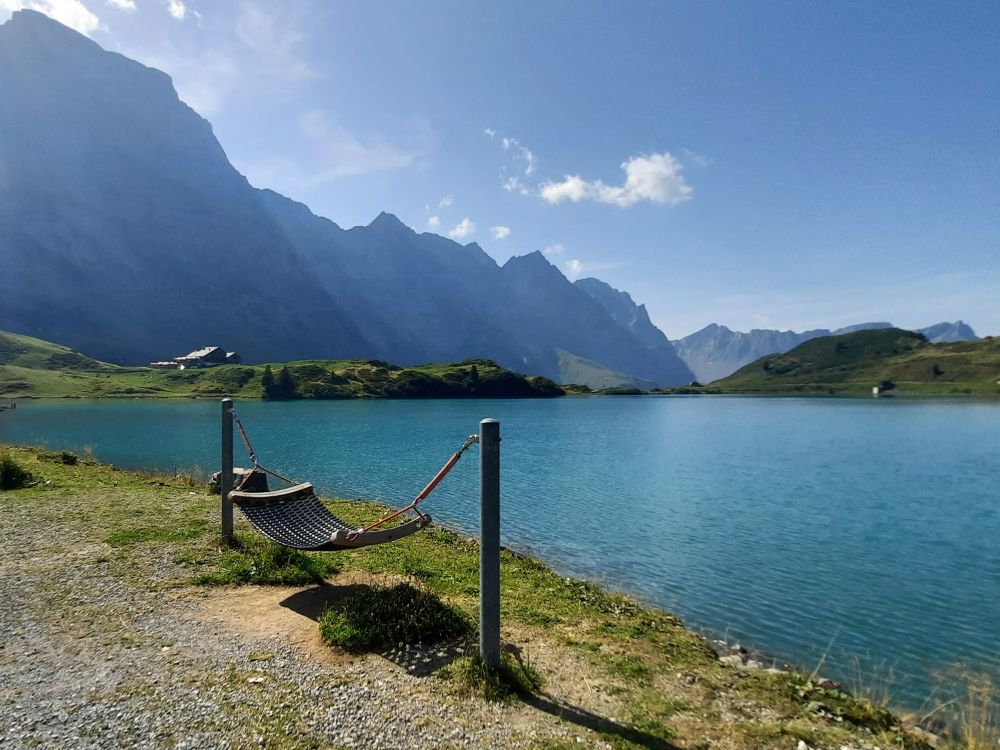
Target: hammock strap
x=422, y=495
x=253, y=457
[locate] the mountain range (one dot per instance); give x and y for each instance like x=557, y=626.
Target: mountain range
x=126, y=232
x=715, y=351
x=894, y=361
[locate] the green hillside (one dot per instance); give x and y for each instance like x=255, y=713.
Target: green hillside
x=34, y=368
x=856, y=362
x=594, y=375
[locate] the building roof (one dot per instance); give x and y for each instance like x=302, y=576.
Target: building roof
x=201, y=352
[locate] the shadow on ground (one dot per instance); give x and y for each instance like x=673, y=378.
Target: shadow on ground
x=588, y=719
x=422, y=659
x=418, y=659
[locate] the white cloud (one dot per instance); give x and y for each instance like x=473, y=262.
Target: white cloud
x=511, y=184
x=177, y=9
x=557, y=249
x=274, y=38
x=699, y=160
x=257, y=56
x=656, y=178
x=573, y=269
x=327, y=152
x=520, y=159
x=576, y=268
x=514, y=184
x=434, y=222
x=72, y=13
x=446, y=201
x=573, y=188
x=522, y=154
x=465, y=228
x=126, y=5
x=500, y=232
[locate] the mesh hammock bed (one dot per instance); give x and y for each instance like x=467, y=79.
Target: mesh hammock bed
x=295, y=517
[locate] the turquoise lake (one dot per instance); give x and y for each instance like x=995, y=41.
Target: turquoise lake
x=865, y=529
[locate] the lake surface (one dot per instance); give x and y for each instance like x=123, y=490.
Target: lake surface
x=864, y=529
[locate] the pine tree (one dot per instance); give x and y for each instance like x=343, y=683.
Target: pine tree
x=285, y=387
x=267, y=383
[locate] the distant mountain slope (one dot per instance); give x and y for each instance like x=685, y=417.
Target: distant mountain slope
x=425, y=298
x=945, y=332
x=125, y=232
x=25, y=351
x=634, y=319
x=855, y=362
x=860, y=327
x=579, y=371
x=715, y=351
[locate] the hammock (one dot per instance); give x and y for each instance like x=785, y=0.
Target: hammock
x=296, y=517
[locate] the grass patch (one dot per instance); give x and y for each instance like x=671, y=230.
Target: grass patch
x=33, y=367
x=649, y=677
x=13, y=476
x=969, y=703
x=146, y=534
x=474, y=677
x=262, y=562
x=59, y=457
x=630, y=668
x=378, y=617
x=855, y=362
x=833, y=703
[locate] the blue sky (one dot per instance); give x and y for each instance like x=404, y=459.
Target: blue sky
x=779, y=164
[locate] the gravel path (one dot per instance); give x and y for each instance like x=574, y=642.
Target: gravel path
x=105, y=646
x=92, y=657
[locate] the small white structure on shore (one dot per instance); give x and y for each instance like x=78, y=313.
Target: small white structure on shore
x=209, y=356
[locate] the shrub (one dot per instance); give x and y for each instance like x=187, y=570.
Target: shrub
x=12, y=475
x=474, y=677
x=377, y=617
x=266, y=563
x=60, y=457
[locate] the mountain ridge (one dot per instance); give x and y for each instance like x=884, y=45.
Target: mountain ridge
x=130, y=235
x=716, y=351
x=895, y=360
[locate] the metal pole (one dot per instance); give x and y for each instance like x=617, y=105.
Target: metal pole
x=226, y=477
x=489, y=542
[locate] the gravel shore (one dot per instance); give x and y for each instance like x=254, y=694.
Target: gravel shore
x=106, y=642
x=90, y=657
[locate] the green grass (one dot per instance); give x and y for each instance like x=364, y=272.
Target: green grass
x=855, y=362
x=472, y=676
x=376, y=617
x=657, y=679
x=34, y=368
x=147, y=534
x=594, y=375
x=36, y=354
x=59, y=457
x=630, y=668
x=13, y=475
x=252, y=560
